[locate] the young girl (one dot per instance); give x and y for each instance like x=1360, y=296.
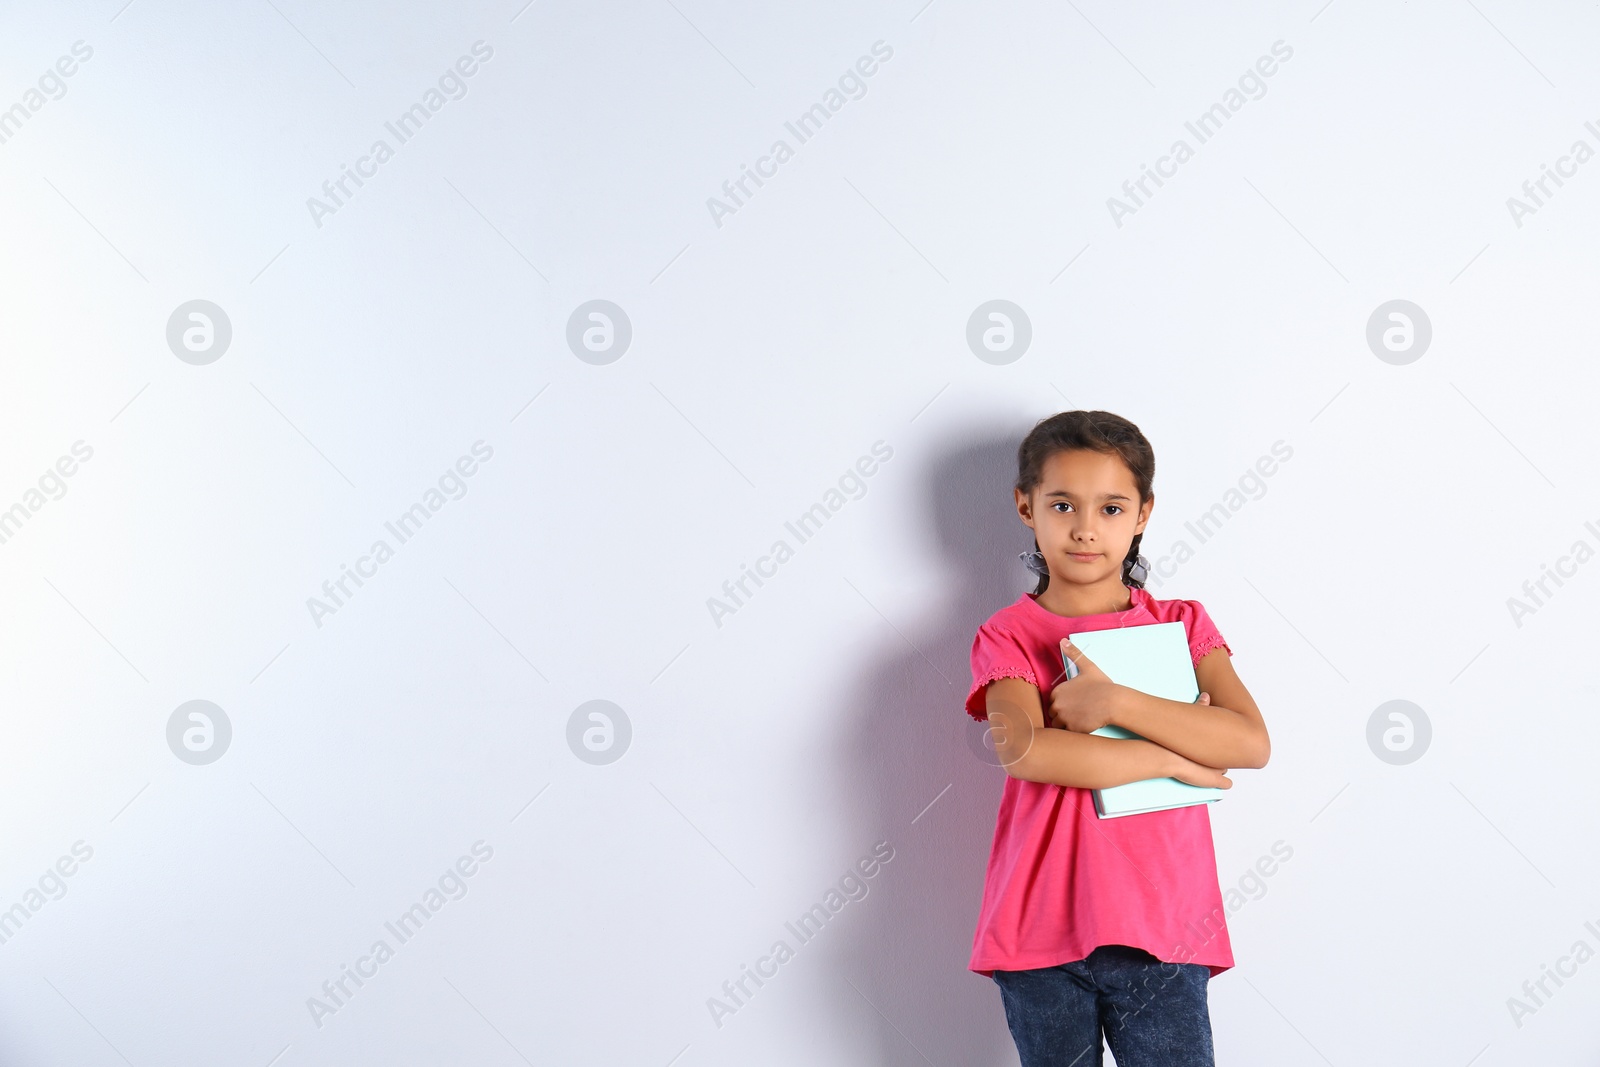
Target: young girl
x=1092, y=926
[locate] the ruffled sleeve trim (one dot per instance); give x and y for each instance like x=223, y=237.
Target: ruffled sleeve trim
x=976, y=695
x=1209, y=643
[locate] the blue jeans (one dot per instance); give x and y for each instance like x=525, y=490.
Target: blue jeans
x=1153, y=1014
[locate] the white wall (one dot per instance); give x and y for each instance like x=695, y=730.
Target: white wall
x=375, y=340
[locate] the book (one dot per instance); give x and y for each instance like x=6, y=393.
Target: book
x=1153, y=659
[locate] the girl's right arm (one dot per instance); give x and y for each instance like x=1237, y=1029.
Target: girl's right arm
x=1029, y=750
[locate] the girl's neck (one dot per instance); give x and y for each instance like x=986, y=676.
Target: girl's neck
x=1069, y=600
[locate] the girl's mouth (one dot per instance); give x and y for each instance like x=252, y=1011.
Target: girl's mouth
x=1084, y=557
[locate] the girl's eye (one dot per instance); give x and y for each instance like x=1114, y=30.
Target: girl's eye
x=1116, y=508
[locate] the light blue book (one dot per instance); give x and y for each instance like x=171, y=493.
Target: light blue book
x=1153, y=659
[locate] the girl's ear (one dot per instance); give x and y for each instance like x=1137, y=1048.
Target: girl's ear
x=1144, y=513
x=1024, y=509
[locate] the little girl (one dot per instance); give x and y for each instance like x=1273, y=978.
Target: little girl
x=1096, y=926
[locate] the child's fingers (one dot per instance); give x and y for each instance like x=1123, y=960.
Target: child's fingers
x=1072, y=652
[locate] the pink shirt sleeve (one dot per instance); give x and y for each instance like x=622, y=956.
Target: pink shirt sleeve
x=1203, y=635
x=995, y=654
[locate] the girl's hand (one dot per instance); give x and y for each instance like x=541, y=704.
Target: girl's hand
x=1187, y=770
x=1085, y=703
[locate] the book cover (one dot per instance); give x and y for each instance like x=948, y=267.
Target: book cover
x=1153, y=659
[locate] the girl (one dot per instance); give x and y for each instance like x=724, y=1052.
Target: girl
x=1093, y=926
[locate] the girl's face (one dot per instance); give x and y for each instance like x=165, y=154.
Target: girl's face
x=1084, y=512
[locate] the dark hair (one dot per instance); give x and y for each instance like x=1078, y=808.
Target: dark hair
x=1095, y=431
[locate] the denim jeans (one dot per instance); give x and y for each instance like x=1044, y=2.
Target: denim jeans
x=1153, y=1014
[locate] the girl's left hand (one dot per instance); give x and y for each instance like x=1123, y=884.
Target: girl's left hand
x=1085, y=703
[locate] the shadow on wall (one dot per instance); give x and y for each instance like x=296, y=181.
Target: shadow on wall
x=911, y=741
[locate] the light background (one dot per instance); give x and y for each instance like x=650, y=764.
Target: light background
x=769, y=353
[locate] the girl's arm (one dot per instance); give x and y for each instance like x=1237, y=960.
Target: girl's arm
x=1030, y=751
x=1229, y=731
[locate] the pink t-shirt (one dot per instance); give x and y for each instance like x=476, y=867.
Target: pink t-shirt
x=1062, y=881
